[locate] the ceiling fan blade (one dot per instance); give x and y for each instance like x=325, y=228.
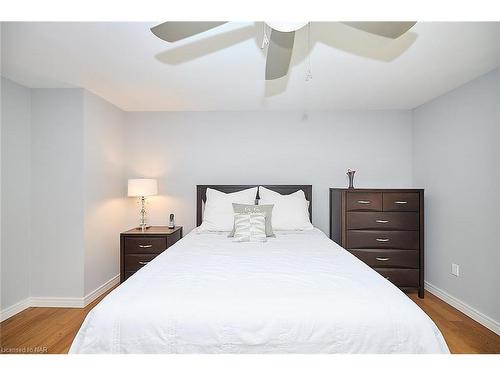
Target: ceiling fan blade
x=174, y=31
x=387, y=29
x=279, y=54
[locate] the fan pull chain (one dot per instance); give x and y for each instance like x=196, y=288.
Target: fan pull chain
x=265, y=38
x=308, y=60
x=305, y=113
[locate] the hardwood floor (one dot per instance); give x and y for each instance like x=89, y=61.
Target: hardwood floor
x=51, y=330
x=42, y=329
x=462, y=334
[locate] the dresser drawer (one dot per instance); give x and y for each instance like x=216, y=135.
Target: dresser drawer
x=144, y=245
x=360, y=201
x=383, y=220
x=133, y=262
x=400, y=277
x=374, y=239
x=383, y=228
x=385, y=258
x=401, y=201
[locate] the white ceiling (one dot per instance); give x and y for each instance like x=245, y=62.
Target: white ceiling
x=223, y=69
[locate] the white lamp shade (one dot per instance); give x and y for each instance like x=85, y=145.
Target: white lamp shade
x=142, y=187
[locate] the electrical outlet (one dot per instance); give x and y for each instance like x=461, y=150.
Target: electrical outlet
x=455, y=269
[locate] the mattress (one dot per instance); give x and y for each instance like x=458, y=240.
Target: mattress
x=296, y=293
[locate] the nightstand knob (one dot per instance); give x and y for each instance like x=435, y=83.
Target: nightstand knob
x=143, y=263
x=145, y=246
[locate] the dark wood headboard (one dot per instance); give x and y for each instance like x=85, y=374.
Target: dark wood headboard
x=201, y=194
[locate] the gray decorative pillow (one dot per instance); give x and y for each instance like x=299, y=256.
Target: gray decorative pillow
x=267, y=209
x=250, y=227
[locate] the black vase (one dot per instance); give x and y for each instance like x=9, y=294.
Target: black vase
x=350, y=174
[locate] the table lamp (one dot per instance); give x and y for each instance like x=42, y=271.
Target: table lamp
x=142, y=188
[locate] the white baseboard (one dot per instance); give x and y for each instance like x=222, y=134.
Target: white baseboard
x=471, y=312
x=101, y=290
x=58, y=301
x=14, y=309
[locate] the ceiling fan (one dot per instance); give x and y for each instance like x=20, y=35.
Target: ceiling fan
x=281, y=40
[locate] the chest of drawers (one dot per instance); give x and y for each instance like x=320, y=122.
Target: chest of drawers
x=138, y=248
x=385, y=229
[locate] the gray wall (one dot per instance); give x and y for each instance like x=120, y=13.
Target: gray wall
x=78, y=192
x=104, y=190
x=63, y=192
x=456, y=158
x=15, y=167
x=187, y=148
x=57, y=193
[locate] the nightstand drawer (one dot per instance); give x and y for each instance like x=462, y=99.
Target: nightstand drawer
x=400, y=277
x=173, y=238
x=138, y=247
x=144, y=244
x=383, y=220
x=377, y=239
x=384, y=258
x=401, y=201
x=364, y=201
x=133, y=262
x=127, y=274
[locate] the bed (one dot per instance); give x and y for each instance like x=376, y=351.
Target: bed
x=299, y=292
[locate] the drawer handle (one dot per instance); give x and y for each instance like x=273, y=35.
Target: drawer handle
x=400, y=202
x=364, y=202
x=382, y=239
x=145, y=246
x=382, y=259
x=382, y=221
x=143, y=263
x=386, y=277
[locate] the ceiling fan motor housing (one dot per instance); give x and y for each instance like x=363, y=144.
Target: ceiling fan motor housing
x=286, y=27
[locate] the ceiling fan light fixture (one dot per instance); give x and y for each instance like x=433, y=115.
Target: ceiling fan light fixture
x=286, y=27
x=280, y=39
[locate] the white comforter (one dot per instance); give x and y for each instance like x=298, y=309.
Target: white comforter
x=296, y=293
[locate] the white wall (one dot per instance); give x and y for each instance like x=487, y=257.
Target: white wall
x=15, y=202
x=104, y=190
x=183, y=149
x=57, y=184
x=456, y=159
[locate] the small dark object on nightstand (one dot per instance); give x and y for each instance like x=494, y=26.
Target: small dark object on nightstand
x=350, y=174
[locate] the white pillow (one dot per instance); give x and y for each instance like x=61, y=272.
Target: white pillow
x=218, y=215
x=290, y=212
x=250, y=227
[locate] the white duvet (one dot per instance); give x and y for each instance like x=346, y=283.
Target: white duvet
x=296, y=293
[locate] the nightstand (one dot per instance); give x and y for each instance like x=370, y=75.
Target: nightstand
x=138, y=248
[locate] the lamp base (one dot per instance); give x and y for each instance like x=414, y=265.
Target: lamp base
x=143, y=227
